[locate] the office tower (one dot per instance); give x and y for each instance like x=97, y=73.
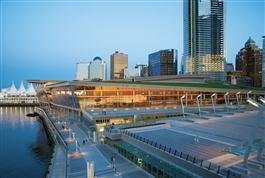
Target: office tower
x=97, y=69
x=81, y=71
x=143, y=69
x=204, y=39
x=140, y=70
x=263, y=64
x=249, y=62
x=130, y=73
x=118, y=62
x=229, y=67
x=162, y=62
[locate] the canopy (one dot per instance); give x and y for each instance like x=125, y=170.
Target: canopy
x=12, y=90
x=31, y=90
x=22, y=90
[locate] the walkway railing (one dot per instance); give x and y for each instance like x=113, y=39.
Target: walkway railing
x=59, y=138
x=184, y=156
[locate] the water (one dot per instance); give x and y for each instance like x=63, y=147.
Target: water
x=24, y=147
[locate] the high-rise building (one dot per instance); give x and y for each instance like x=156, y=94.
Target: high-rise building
x=140, y=70
x=229, y=67
x=204, y=39
x=163, y=62
x=118, y=62
x=143, y=69
x=81, y=72
x=130, y=73
x=97, y=69
x=263, y=64
x=249, y=62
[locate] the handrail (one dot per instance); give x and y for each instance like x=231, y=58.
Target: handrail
x=60, y=136
x=192, y=159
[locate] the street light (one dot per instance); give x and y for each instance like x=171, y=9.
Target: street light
x=213, y=98
x=198, y=103
x=253, y=103
x=237, y=99
x=182, y=106
x=226, y=99
x=248, y=94
x=262, y=99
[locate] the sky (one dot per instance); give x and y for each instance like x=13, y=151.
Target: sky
x=45, y=39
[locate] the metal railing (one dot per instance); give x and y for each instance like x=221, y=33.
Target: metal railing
x=184, y=156
x=60, y=137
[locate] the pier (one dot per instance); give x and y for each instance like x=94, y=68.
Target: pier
x=77, y=146
x=18, y=97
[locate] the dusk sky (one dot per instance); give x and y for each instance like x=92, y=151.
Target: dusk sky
x=45, y=39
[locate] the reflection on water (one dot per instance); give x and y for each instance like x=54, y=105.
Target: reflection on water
x=24, y=148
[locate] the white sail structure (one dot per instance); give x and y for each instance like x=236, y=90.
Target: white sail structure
x=31, y=91
x=12, y=91
x=22, y=90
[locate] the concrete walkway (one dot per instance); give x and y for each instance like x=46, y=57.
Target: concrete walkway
x=57, y=168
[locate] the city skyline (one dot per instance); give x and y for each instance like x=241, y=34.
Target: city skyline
x=83, y=30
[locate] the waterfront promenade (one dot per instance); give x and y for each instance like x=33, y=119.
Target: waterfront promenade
x=81, y=149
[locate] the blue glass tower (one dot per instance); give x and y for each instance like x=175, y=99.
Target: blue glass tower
x=163, y=62
x=204, y=39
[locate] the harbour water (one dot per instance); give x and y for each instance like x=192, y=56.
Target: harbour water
x=24, y=147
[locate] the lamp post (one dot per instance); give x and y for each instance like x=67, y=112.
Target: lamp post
x=248, y=94
x=262, y=99
x=182, y=105
x=76, y=146
x=226, y=96
x=198, y=98
x=69, y=131
x=213, y=98
x=237, y=99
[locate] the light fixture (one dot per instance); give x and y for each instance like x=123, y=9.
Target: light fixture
x=248, y=94
x=182, y=106
x=262, y=99
x=253, y=103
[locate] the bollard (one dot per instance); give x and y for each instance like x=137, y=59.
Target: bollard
x=218, y=170
x=201, y=163
x=165, y=148
x=194, y=159
x=209, y=167
x=187, y=157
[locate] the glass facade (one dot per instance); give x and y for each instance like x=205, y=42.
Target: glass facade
x=150, y=163
x=118, y=96
x=97, y=69
x=204, y=39
x=163, y=62
x=81, y=72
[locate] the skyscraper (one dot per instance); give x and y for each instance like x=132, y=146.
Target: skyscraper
x=118, y=62
x=81, y=72
x=204, y=38
x=249, y=62
x=163, y=62
x=97, y=69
